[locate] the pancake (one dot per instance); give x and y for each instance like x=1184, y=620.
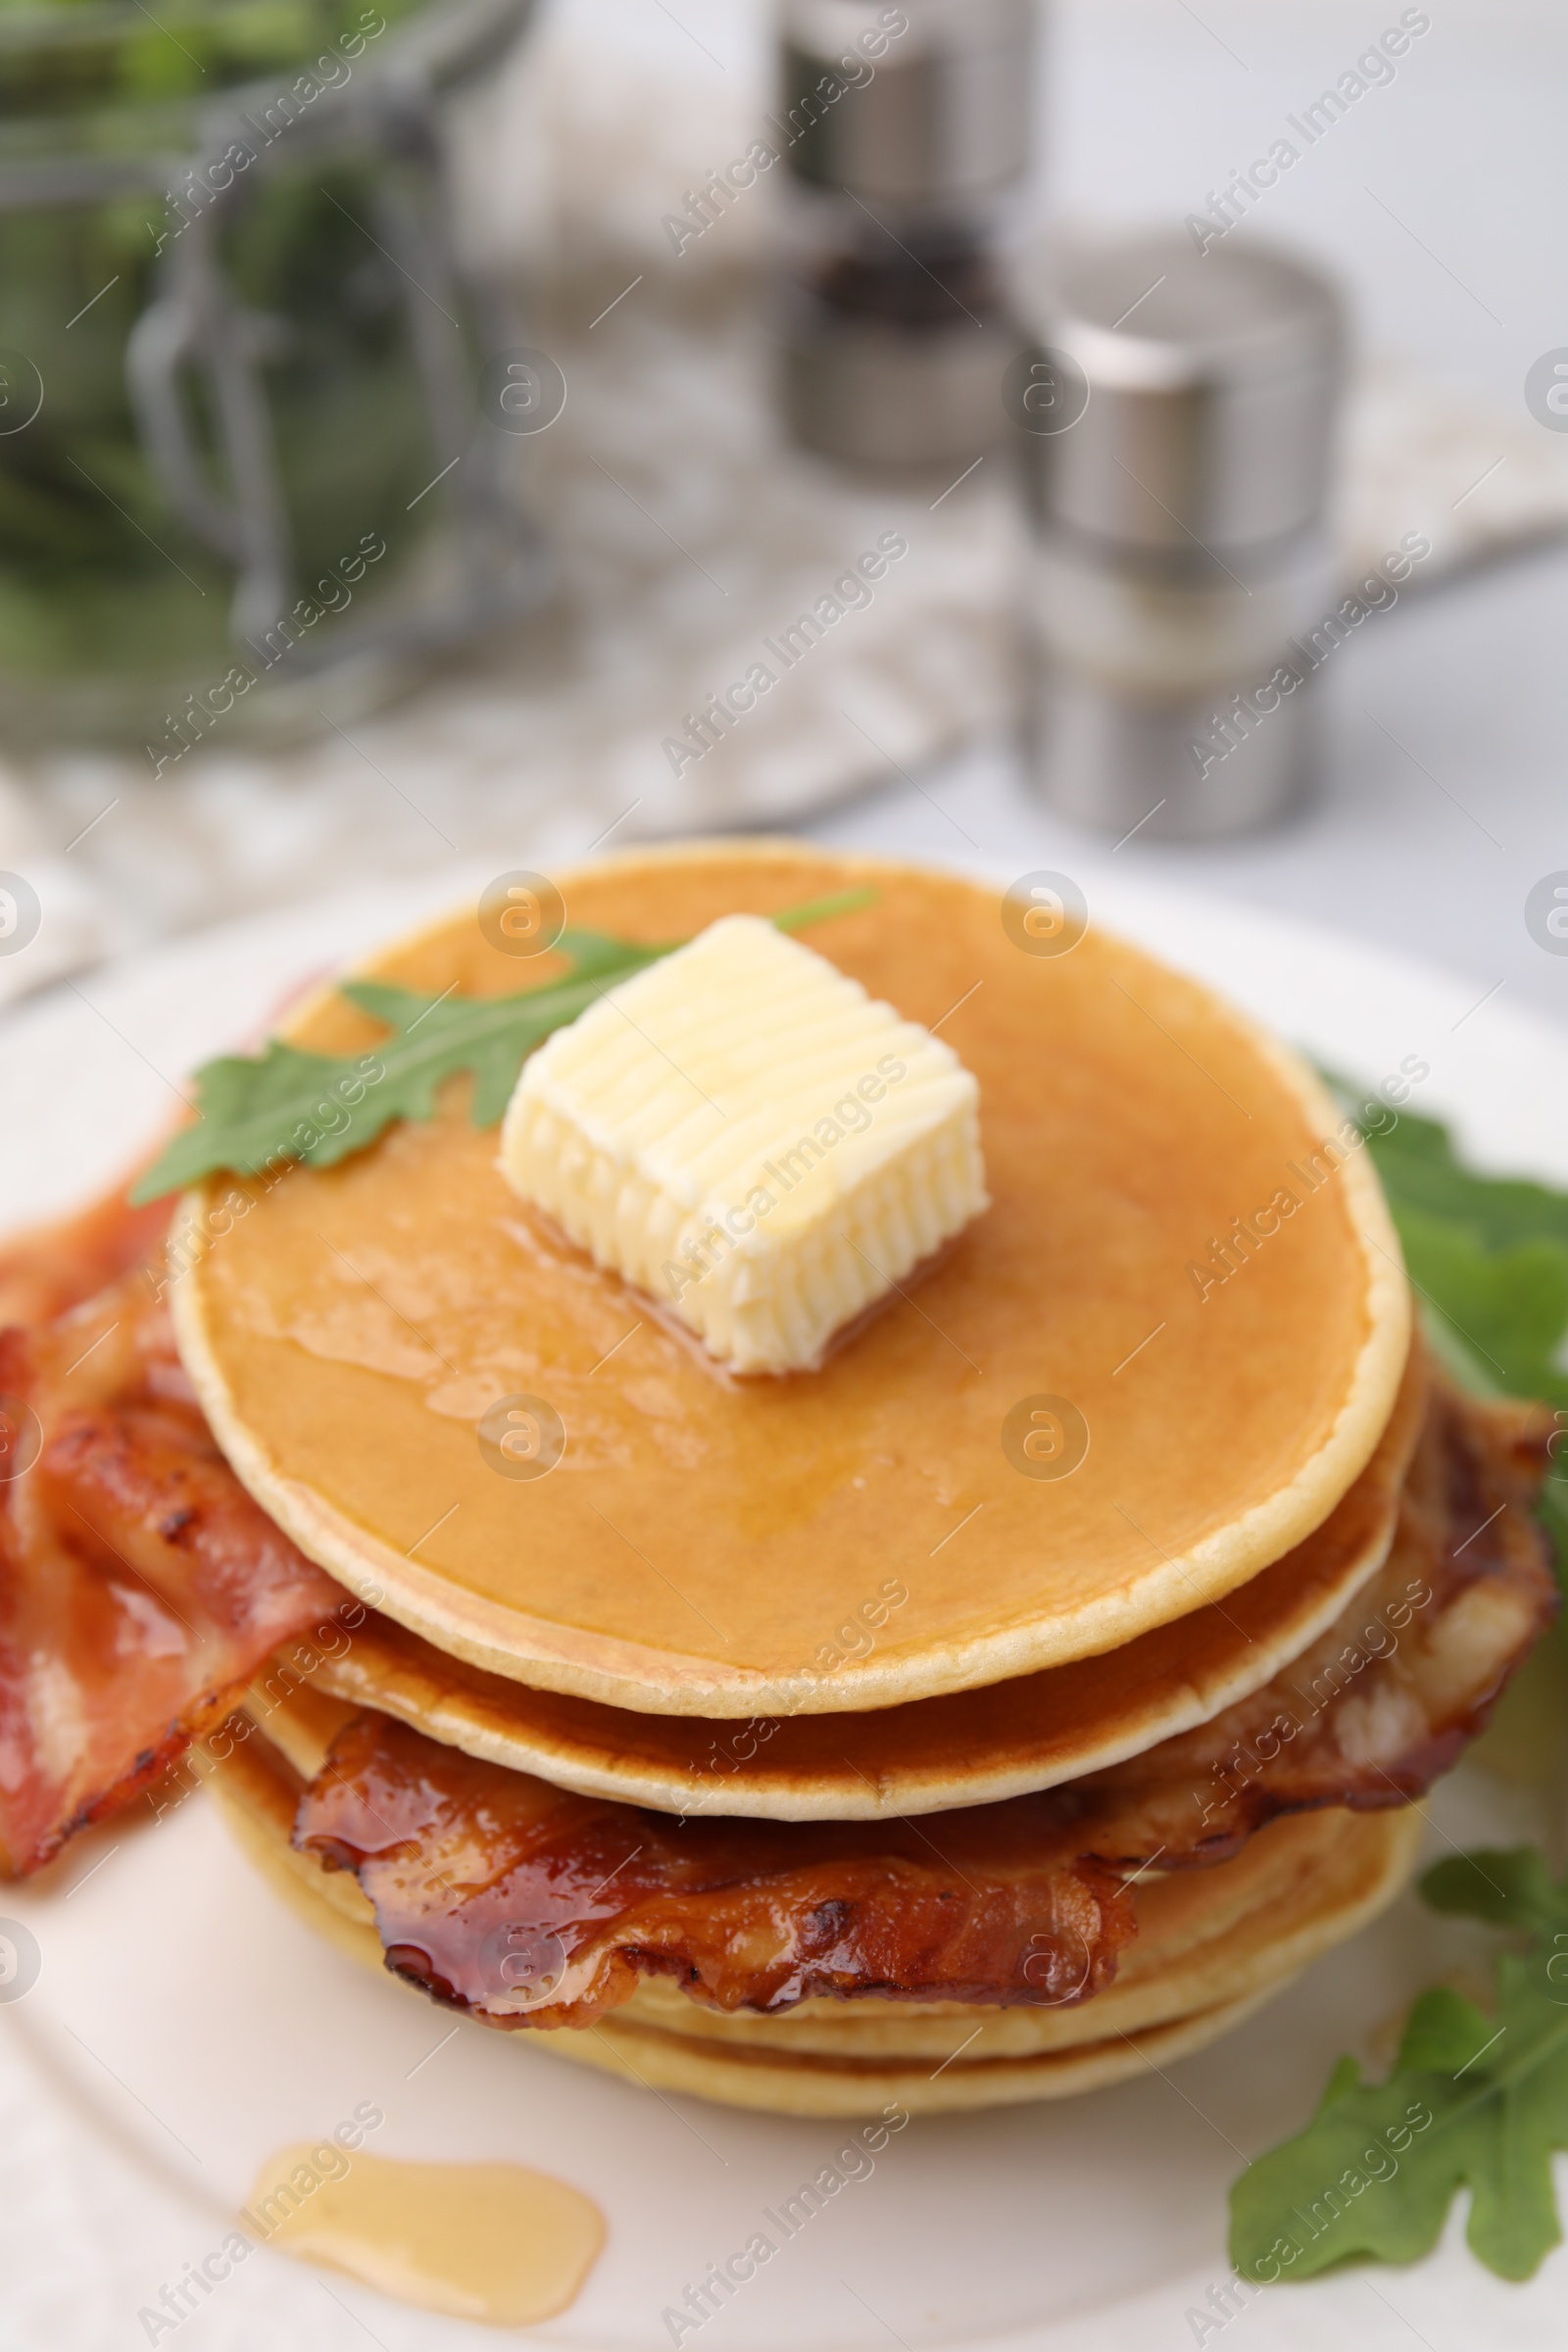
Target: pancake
x=705, y=1542
x=927, y=1756
x=1212, y=1944
x=821, y=2086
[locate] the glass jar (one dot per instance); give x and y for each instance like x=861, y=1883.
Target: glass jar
x=244, y=475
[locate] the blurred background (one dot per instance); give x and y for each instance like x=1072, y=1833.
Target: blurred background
x=1105, y=435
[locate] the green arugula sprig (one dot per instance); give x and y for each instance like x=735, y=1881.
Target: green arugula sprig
x=283, y=1104
x=1489, y=1256
x=1473, y=2102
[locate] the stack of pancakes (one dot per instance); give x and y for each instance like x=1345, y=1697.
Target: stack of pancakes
x=1018, y=1699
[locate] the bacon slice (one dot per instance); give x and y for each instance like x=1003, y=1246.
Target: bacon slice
x=1387, y=1699
x=45, y=1272
x=140, y=1586
x=529, y=1906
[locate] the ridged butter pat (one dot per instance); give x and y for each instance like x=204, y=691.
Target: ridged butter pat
x=745, y=1134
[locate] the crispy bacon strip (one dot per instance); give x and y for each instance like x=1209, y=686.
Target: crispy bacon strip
x=454, y=1853
x=45, y=1272
x=529, y=1906
x=140, y=1586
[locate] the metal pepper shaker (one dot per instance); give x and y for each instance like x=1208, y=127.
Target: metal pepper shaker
x=1177, y=421
x=906, y=134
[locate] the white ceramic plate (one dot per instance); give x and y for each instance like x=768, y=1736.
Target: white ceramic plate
x=183, y=2025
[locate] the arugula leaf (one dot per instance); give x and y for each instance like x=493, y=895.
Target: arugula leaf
x=1513, y=1889
x=818, y=910
x=1419, y=1166
x=284, y=1104
x=1489, y=1256
x=1510, y=1305
x=1473, y=2102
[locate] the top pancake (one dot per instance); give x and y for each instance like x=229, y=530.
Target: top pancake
x=709, y=1546
x=971, y=1747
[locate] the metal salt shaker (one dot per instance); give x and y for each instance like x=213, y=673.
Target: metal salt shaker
x=1177, y=421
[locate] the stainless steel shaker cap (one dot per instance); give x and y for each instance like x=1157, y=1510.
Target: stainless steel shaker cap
x=933, y=98
x=1211, y=388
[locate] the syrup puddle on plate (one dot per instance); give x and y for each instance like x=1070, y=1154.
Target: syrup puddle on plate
x=494, y=2242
